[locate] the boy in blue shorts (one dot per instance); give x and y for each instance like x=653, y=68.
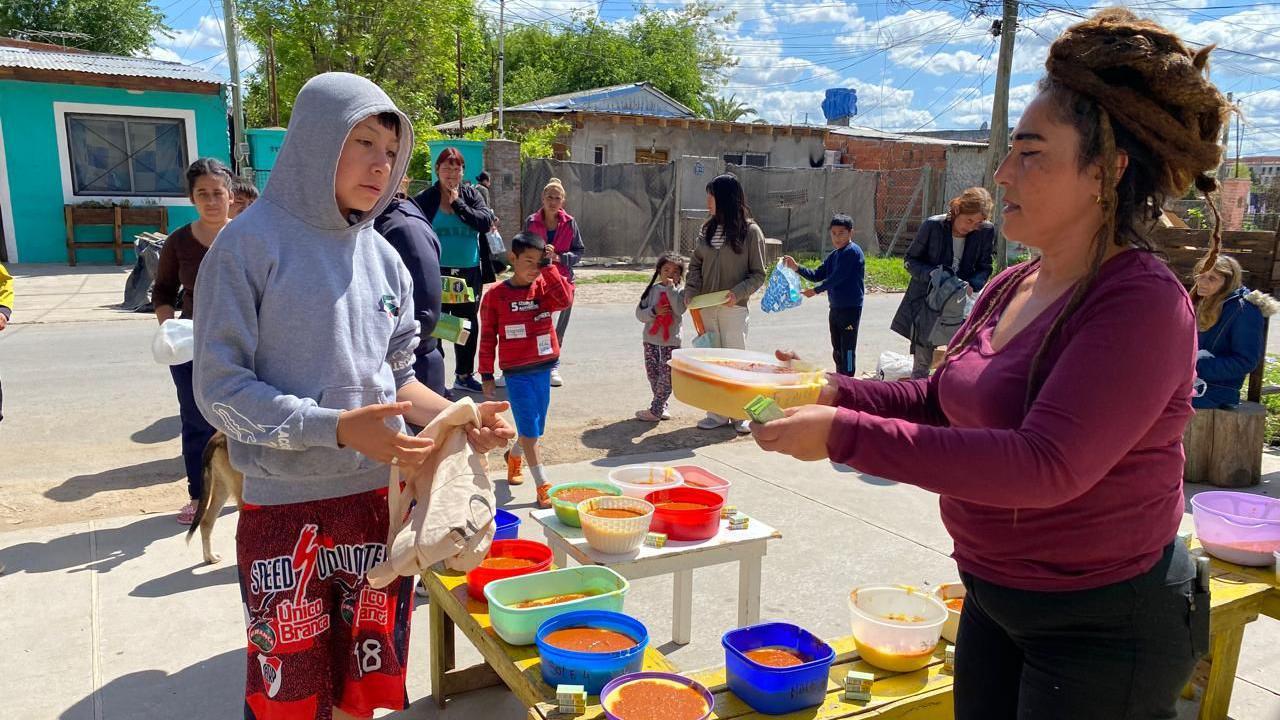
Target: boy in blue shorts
x=516, y=330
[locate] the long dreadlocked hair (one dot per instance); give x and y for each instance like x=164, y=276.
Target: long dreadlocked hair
x=1127, y=85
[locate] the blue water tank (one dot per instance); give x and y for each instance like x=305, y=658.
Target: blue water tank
x=840, y=103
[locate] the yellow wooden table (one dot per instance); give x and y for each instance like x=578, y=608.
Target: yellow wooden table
x=517, y=667
x=1237, y=595
x=921, y=695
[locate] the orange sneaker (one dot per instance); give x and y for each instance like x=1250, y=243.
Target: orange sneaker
x=544, y=500
x=514, y=465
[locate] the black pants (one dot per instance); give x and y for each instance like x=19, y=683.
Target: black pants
x=1119, y=652
x=844, y=337
x=465, y=355
x=196, y=431
x=428, y=366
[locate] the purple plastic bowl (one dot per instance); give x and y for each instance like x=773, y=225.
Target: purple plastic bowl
x=1237, y=527
x=624, y=679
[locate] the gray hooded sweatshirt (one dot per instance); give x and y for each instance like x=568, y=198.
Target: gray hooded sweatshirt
x=305, y=313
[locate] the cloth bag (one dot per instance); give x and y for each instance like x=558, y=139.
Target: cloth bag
x=174, y=342
x=949, y=303
x=783, y=290
x=446, y=511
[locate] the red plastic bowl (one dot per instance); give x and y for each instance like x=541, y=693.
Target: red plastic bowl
x=526, y=549
x=699, y=524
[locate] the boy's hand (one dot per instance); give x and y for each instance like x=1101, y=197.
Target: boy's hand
x=731, y=300
x=808, y=292
x=365, y=430
x=802, y=434
x=552, y=256
x=789, y=262
x=494, y=432
x=489, y=391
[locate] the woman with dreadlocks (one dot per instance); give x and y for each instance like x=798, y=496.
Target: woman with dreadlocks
x=1053, y=430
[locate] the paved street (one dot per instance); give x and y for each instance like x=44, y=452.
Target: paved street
x=111, y=616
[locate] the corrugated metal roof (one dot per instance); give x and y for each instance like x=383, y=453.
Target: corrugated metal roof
x=629, y=99
x=97, y=64
x=873, y=134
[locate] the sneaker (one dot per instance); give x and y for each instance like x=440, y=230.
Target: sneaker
x=647, y=416
x=743, y=427
x=187, y=514
x=711, y=423
x=544, y=500
x=514, y=465
x=666, y=415
x=467, y=384
x=556, y=380
x=500, y=381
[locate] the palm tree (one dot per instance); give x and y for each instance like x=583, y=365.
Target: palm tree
x=729, y=109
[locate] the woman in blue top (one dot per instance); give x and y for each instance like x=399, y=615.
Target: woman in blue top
x=1231, y=320
x=460, y=219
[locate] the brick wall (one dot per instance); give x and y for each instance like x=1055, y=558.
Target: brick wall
x=502, y=162
x=1233, y=202
x=899, y=164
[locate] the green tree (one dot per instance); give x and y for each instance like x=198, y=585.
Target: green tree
x=681, y=53
x=729, y=109
x=407, y=47
x=120, y=27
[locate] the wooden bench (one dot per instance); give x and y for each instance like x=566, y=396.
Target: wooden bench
x=517, y=667
x=1224, y=447
x=117, y=217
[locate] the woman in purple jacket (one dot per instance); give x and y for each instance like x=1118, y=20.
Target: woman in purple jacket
x=1053, y=429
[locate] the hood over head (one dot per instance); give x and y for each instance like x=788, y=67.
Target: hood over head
x=326, y=110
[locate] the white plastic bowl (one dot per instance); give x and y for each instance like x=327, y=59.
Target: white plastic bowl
x=614, y=536
x=639, y=480
x=896, y=627
x=945, y=592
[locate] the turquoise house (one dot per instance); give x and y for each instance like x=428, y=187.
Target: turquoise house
x=88, y=130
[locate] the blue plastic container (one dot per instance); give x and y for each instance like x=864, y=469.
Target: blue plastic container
x=776, y=691
x=591, y=670
x=508, y=526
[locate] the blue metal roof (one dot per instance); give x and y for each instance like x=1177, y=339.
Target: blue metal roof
x=629, y=99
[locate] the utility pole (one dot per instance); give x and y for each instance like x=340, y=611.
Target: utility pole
x=502, y=64
x=274, y=108
x=238, y=154
x=458, y=38
x=1236, y=169
x=998, y=145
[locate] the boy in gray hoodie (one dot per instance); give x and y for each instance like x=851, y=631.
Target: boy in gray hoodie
x=304, y=358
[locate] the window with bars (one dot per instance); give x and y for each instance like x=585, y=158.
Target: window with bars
x=115, y=155
x=747, y=159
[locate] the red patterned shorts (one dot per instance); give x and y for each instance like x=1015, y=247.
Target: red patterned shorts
x=319, y=636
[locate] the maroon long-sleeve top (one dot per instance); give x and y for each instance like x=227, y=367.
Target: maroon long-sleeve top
x=1082, y=489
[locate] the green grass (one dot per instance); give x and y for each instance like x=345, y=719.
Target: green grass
x=615, y=278
x=1271, y=376
x=884, y=274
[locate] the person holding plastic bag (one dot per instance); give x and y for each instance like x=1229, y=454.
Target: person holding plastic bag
x=209, y=188
x=842, y=276
x=729, y=258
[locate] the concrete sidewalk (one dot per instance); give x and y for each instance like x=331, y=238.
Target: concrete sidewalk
x=61, y=293
x=108, y=620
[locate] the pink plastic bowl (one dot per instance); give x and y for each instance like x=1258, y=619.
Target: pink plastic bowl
x=1237, y=527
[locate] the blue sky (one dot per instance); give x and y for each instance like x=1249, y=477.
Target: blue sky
x=916, y=64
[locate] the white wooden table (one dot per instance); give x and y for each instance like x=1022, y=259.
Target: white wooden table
x=745, y=547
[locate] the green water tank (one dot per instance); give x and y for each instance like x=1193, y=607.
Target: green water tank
x=264, y=146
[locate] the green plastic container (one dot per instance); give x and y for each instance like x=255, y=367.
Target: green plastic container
x=567, y=512
x=519, y=626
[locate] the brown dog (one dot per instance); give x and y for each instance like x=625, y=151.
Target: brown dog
x=221, y=482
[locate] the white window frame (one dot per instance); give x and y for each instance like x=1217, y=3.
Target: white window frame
x=6, y=204
x=604, y=154
x=62, y=109
x=743, y=157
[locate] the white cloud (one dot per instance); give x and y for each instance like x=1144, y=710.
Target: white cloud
x=827, y=12
x=203, y=46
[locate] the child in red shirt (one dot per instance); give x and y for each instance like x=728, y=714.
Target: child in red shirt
x=516, y=328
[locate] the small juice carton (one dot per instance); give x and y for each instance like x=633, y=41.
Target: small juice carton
x=728, y=511
x=572, y=699
x=655, y=540
x=857, y=686
x=949, y=659
x=763, y=410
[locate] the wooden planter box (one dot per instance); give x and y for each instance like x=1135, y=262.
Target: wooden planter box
x=117, y=217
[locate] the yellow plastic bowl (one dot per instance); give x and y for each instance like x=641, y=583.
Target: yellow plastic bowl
x=715, y=380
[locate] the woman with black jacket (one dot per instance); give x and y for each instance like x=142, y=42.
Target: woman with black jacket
x=963, y=241
x=460, y=219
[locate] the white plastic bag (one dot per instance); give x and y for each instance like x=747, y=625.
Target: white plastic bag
x=496, y=246
x=893, y=366
x=174, y=342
